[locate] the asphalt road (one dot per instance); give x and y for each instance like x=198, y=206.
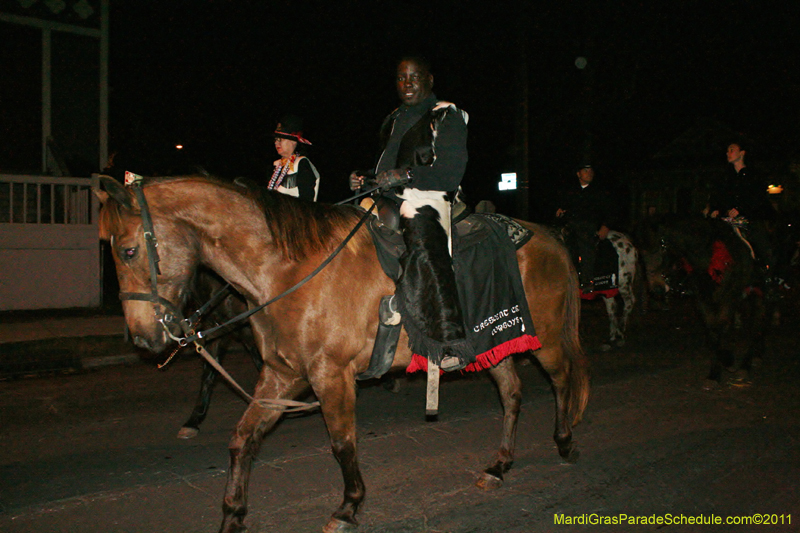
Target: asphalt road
x=98, y=451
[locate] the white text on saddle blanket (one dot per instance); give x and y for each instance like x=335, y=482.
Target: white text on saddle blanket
x=502, y=320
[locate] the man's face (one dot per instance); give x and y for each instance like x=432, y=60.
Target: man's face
x=414, y=82
x=735, y=153
x=586, y=175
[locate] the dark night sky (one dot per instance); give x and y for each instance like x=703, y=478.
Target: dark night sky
x=216, y=75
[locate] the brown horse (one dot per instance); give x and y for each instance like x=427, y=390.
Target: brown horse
x=320, y=336
x=723, y=277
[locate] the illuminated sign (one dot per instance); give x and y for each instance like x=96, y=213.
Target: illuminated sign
x=508, y=182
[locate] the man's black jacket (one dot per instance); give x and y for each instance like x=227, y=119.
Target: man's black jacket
x=590, y=204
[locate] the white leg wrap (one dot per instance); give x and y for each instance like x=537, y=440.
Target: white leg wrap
x=413, y=199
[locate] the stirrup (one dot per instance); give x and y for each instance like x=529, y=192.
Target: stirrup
x=452, y=363
x=386, y=340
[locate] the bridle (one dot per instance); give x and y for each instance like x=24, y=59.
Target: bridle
x=172, y=313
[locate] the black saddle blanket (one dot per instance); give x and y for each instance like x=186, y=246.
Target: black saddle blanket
x=606, y=267
x=490, y=290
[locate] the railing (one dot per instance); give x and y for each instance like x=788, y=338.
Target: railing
x=49, y=247
x=45, y=200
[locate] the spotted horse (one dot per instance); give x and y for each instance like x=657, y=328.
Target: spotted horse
x=615, y=284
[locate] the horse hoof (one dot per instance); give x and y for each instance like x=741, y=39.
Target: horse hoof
x=710, y=385
x=488, y=482
x=188, y=433
x=335, y=525
x=571, y=456
x=740, y=378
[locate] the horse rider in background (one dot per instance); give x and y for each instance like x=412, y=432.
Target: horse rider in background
x=741, y=200
x=585, y=208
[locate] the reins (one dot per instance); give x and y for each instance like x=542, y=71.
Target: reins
x=187, y=325
x=217, y=297
x=250, y=312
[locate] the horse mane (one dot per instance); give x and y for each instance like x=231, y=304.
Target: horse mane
x=707, y=231
x=298, y=228
x=692, y=238
x=301, y=228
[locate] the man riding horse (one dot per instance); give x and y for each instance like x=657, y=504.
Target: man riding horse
x=423, y=159
x=741, y=200
x=586, y=207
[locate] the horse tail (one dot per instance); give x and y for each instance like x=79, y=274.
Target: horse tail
x=575, y=359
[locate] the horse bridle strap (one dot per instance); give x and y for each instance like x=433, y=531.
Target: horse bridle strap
x=287, y=406
x=151, y=243
x=152, y=298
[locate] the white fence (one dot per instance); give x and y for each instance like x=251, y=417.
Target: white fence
x=49, y=248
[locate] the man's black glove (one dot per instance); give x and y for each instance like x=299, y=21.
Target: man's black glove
x=393, y=178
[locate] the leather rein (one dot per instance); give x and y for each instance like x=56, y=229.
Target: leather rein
x=173, y=314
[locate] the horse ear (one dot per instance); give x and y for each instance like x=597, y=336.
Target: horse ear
x=101, y=194
x=115, y=190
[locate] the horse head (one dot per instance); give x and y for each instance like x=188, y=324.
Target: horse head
x=153, y=276
x=651, y=237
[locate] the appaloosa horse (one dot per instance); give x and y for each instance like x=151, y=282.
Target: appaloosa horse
x=627, y=268
x=623, y=286
x=320, y=336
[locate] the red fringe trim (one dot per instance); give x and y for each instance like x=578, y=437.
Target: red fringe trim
x=487, y=359
x=721, y=259
x=609, y=293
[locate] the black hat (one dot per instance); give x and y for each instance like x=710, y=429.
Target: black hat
x=291, y=127
x=582, y=166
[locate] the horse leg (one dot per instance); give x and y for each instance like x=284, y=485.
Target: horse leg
x=615, y=336
x=337, y=395
x=628, y=296
x=246, y=441
x=755, y=337
x=758, y=344
x=619, y=321
x=561, y=376
x=191, y=427
x=510, y=388
x=721, y=356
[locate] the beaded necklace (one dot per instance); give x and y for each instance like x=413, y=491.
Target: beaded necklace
x=280, y=172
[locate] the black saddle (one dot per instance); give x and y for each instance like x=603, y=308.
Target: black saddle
x=390, y=246
x=470, y=232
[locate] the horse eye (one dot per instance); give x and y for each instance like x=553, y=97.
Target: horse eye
x=129, y=253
